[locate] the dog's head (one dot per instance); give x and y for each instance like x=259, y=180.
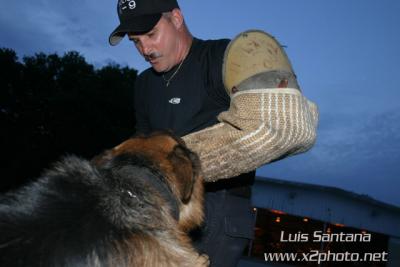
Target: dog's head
x=82, y=213
x=161, y=161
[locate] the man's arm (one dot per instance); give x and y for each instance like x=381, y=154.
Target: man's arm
x=268, y=118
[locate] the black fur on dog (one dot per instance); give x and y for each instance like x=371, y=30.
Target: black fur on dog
x=122, y=212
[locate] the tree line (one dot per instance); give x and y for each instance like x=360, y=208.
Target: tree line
x=53, y=105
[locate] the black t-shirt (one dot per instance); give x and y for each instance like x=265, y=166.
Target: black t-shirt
x=191, y=102
x=194, y=97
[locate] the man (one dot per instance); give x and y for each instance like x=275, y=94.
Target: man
x=183, y=91
x=237, y=104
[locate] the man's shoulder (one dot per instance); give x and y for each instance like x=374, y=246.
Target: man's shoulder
x=209, y=50
x=211, y=43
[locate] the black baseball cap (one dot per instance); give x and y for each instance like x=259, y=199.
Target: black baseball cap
x=139, y=16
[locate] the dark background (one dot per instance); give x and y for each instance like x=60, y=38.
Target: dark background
x=52, y=105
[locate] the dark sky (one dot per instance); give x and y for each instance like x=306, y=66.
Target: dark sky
x=345, y=53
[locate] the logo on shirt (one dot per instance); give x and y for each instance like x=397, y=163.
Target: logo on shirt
x=175, y=100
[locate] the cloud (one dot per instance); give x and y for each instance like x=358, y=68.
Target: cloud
x=354, y=152
x=51, y=26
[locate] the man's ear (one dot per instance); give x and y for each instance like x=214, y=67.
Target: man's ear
x=177, y=18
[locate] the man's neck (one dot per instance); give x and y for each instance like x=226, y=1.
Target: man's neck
x=184, y=49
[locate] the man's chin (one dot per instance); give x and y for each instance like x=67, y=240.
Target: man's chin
x=158, y=67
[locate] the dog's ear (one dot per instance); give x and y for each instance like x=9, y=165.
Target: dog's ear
x=186, y=167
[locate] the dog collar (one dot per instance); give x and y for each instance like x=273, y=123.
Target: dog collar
x=159, y=183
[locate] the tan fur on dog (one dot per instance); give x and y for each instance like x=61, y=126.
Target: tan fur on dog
x=131, y=206
x=181, y=169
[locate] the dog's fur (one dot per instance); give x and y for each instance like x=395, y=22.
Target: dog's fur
x=130, y=206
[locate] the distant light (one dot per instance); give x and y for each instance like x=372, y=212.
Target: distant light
x=305, y=219
x=339, y=225
x=254, y=209
x=363, y=232
x=328, y=230
x=278, y=212
x=278, y=219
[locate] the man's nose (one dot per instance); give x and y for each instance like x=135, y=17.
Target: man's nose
x=146, y=48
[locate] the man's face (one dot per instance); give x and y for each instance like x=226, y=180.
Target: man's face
x=159, y=45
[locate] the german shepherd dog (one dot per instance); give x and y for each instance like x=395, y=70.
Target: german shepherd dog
x=133, y=205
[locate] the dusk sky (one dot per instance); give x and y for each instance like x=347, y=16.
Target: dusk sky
x=346, y=54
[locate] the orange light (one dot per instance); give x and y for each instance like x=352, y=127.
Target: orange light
x=278, y=212
x=278, y=219
x=305, y=219
x=338, y=225
x=363, y=232
x=328, y=230
x=254, y=209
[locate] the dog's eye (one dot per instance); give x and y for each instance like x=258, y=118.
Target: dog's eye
x=130, y=194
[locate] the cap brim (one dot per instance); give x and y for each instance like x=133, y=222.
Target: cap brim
x=139, y=24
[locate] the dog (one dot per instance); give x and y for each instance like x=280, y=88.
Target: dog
x=132, y=205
